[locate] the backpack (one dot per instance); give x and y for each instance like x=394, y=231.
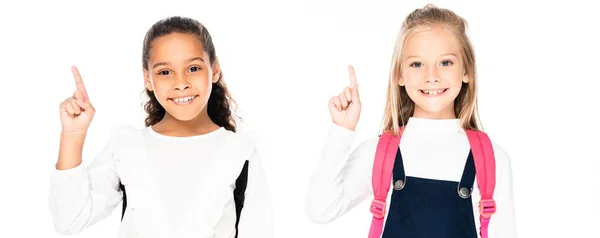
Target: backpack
x=239, y=195
x=485, y=167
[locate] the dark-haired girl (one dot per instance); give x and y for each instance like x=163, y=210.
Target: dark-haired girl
x=186, y=173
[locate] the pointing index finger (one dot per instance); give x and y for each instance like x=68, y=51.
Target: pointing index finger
x=352, y=76
x=79, y=82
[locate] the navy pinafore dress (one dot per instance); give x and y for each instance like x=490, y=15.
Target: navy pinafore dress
x=427, y=208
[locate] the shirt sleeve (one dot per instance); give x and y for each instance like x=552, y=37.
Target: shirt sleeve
x=502, y=222
x=256, y=219
x=80, y=197
x=342, y=178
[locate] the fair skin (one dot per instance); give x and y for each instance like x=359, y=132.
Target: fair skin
x=345, y=107
x=178, y=68
x=433, y=73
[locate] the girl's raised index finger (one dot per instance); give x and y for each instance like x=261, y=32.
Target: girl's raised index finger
x=352, y=75
x=79, y=82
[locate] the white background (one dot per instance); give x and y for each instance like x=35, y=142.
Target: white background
x=283, y=61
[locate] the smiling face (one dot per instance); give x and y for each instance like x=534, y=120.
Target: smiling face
x=180, y=75
x=433, y=72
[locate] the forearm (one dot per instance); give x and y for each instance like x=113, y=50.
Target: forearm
x=70, y=150
x=80, y=196
x=341, y=179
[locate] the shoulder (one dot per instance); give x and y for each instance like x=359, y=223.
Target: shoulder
x=500, y=153
x=239, y=145
x=503, y=161
x=368, y=145
x=364, y=153
x=235, y=140
x=501, y=156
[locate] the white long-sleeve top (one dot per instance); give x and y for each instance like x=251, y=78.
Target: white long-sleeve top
x=431, y=148
x=175, y=187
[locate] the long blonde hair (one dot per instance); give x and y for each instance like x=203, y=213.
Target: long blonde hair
x=399, y=107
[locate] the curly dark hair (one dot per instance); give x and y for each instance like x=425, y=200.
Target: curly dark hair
x=221, y=106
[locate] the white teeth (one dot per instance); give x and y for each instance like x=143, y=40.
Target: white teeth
x=185, y=99
x=432, y=92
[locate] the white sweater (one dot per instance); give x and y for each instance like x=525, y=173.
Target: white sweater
x=433, y=149
x=175, y=186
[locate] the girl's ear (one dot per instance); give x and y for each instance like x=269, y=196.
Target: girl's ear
x=401, y=81
x=216, y=71
x=147, y=81
x=465, y=78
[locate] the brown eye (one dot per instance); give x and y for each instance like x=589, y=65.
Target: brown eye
x=194, y=69
x=163, y=72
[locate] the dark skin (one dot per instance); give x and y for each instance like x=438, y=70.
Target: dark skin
x=200, y=125
x=179, y=67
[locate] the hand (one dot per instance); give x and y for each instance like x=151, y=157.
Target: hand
x=345, y=108
x=76, y=112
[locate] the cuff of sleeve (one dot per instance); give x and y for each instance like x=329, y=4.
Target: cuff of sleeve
x=341, y=136
x=68, y=174
x=68, y=181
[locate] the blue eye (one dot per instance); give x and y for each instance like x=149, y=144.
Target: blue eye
x=446, y=63
x=416, y=65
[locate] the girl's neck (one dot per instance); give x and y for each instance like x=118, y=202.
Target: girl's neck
x=425, y=122
x=444, y=114
x=170, y=126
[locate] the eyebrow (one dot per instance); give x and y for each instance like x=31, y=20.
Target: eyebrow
x=446, y=54
x=189, y=60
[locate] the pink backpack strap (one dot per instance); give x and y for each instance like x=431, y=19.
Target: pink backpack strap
x=485, y=169
x=382, y=176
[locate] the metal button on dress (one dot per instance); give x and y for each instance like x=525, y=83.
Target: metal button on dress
x=398, y=185
x=464, y=192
